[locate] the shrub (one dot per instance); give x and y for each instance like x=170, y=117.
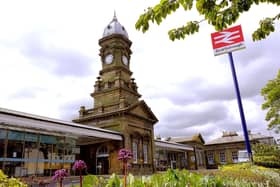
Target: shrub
x=248, y=172
x=267, y=155
x=229, y=175
x=10, y=182
x=90, y=180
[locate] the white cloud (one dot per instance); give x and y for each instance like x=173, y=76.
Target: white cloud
x=49, y=62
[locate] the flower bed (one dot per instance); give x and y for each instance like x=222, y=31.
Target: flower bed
x=244, y=174
x=230, y=176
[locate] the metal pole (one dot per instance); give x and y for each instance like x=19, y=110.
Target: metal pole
x=245, y=132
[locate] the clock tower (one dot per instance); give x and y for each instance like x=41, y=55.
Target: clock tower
x=117, y=105
x=115, y=83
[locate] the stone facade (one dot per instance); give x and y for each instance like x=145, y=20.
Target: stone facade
x=224, y=150
x=117, y=106
x=197, y=157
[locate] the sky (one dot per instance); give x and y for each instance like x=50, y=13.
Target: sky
x=49, y=63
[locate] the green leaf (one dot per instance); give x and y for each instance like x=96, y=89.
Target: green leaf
x=220, y=14
x=271, y=94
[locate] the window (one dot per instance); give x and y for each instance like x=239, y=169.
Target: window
x=145, y=153
x=199, y=156
x=14, y=153
x=135, y=151
x=32, y=154
x=58, y=153
x=102, y=152
x=222, y=157
x=171, y=156
x=234, y=156
x=210, y=157
x=3, y=134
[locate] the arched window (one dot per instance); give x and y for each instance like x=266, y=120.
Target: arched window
x=102, y=151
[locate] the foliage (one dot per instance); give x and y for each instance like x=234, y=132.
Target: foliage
x=244, y=174
x=113, y=181
x=267, y=155
x=137, y=181
x=226, y=176
x=219, y=14
x=271, y=94
x=90, y=180
x=248, y=172
x=10, y=182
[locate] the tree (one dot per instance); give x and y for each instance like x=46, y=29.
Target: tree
x=218, y=13
x=271, y=94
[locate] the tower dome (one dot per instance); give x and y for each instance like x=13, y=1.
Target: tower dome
x=114, y=27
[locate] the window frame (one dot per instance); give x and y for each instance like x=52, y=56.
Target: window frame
x=135, y=151
x=222, y=160
x=145, y=153
x=210, y=158
x=234, y=158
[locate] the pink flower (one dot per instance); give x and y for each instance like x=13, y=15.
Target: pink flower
x=125, y=155
x=79, y=165
x=60, y=174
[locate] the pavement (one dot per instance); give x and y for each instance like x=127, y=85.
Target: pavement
x=70, y=181
x=48, y=182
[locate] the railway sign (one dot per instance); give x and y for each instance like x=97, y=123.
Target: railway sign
x=227, y=40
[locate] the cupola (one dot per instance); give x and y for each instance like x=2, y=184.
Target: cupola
x=114, y=27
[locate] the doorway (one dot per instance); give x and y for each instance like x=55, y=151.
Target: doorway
x=102, y=166
x=102, y=160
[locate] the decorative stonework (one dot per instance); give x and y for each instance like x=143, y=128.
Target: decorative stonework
x=117, y=105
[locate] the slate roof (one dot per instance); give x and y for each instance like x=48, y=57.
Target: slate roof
x=26, y=121
x=194, y=138
x=172, y=145
x=237, y=138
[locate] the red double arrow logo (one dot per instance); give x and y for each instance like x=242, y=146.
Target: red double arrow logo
x=227, y=37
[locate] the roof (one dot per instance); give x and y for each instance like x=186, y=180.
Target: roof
x=149, y=112
x=29, y=121
x=236, y=138
x=114, y=27
x=172, y=145
x=195, y=138
x=128, y=110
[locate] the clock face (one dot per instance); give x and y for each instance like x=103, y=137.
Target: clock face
x=124, y=60
x=109, y=59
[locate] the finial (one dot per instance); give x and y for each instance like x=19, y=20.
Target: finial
x=115, y=16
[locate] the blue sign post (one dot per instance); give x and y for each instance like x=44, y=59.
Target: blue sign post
x=242, y=116
x=226, y=41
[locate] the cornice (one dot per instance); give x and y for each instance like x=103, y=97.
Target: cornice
x=108, y=69
x=96, y=93
x=120, y=112
x=115, y=36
